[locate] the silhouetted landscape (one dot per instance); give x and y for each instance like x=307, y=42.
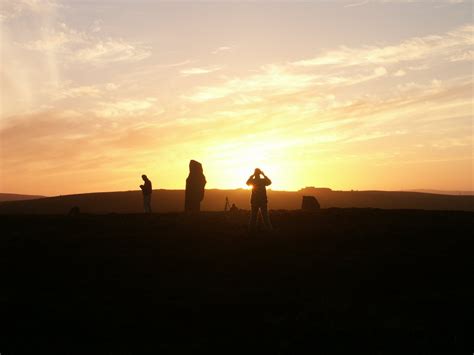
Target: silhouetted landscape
x=17, y=197
x=376, y=271
x=333, y=281
x=214, y=200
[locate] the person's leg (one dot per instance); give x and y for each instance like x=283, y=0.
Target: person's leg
x=265, y=216
x=146, y=203
x=149, y=204
x=259, y=218
x=253, y=218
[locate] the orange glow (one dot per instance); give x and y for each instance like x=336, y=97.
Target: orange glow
x=90, y=103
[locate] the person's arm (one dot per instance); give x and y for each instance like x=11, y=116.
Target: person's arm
x=250, y=180
x=267, y=180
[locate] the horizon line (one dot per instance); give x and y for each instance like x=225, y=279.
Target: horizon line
x=421, y=190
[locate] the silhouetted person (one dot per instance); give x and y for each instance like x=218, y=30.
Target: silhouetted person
x=233, y=208
x=147, y=191
x=259, y=200
x=226, y=207
x=195, y=184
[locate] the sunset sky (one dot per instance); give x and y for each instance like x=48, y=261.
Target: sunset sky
x=342, y=94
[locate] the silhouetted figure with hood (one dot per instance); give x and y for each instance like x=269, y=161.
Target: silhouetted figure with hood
x=195, y=184
x=258, y=201
x=147, y=191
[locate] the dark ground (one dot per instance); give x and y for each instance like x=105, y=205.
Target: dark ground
x=349, y=281
x=165, y=201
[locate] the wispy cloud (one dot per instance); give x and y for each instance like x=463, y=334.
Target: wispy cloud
x=78, y=46
x=199, y=71
x=411, y=49
x=10, y=9
x=355, y=4
x=127, y=108
x=343, y=67
x=95, y=91
x=400, y=72
x=462, y=56
x=221, y=49
x=79, y=91
x=112, y=50
x=177, y=64
x=38, y=59
x=273, y=79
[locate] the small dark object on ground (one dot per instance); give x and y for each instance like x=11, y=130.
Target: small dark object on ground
x=75, y=211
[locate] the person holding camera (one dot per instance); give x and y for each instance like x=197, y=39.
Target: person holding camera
x=147, y=191
x=259, y=181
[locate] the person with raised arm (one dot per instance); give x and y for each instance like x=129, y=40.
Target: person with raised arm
x=258, y=201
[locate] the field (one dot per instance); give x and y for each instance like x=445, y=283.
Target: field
x=343, y=281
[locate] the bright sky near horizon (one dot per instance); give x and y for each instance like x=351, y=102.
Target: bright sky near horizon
x=344, y=94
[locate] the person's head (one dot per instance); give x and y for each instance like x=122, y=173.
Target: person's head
x=257, y=172
x=144, y=177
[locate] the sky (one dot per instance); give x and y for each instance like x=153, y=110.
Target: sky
x=363, y=95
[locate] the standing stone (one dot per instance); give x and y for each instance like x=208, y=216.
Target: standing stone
x=195, y=184
x=310, y=203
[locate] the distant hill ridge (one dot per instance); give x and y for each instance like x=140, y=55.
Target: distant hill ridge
x=214, y=200
x=442, y=192
x=17, y=197
x=426, y=191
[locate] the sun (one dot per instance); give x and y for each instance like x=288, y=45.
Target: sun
x=231, y=168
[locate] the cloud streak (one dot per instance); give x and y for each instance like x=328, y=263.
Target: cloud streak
x=199, y=71
x=10, y=9
x=345, y=66
x=87, y=48
x=416, y=48
x=127, y=108
x=272, y=80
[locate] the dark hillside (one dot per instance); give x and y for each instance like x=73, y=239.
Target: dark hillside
x=339, y=281
x=214, y=200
